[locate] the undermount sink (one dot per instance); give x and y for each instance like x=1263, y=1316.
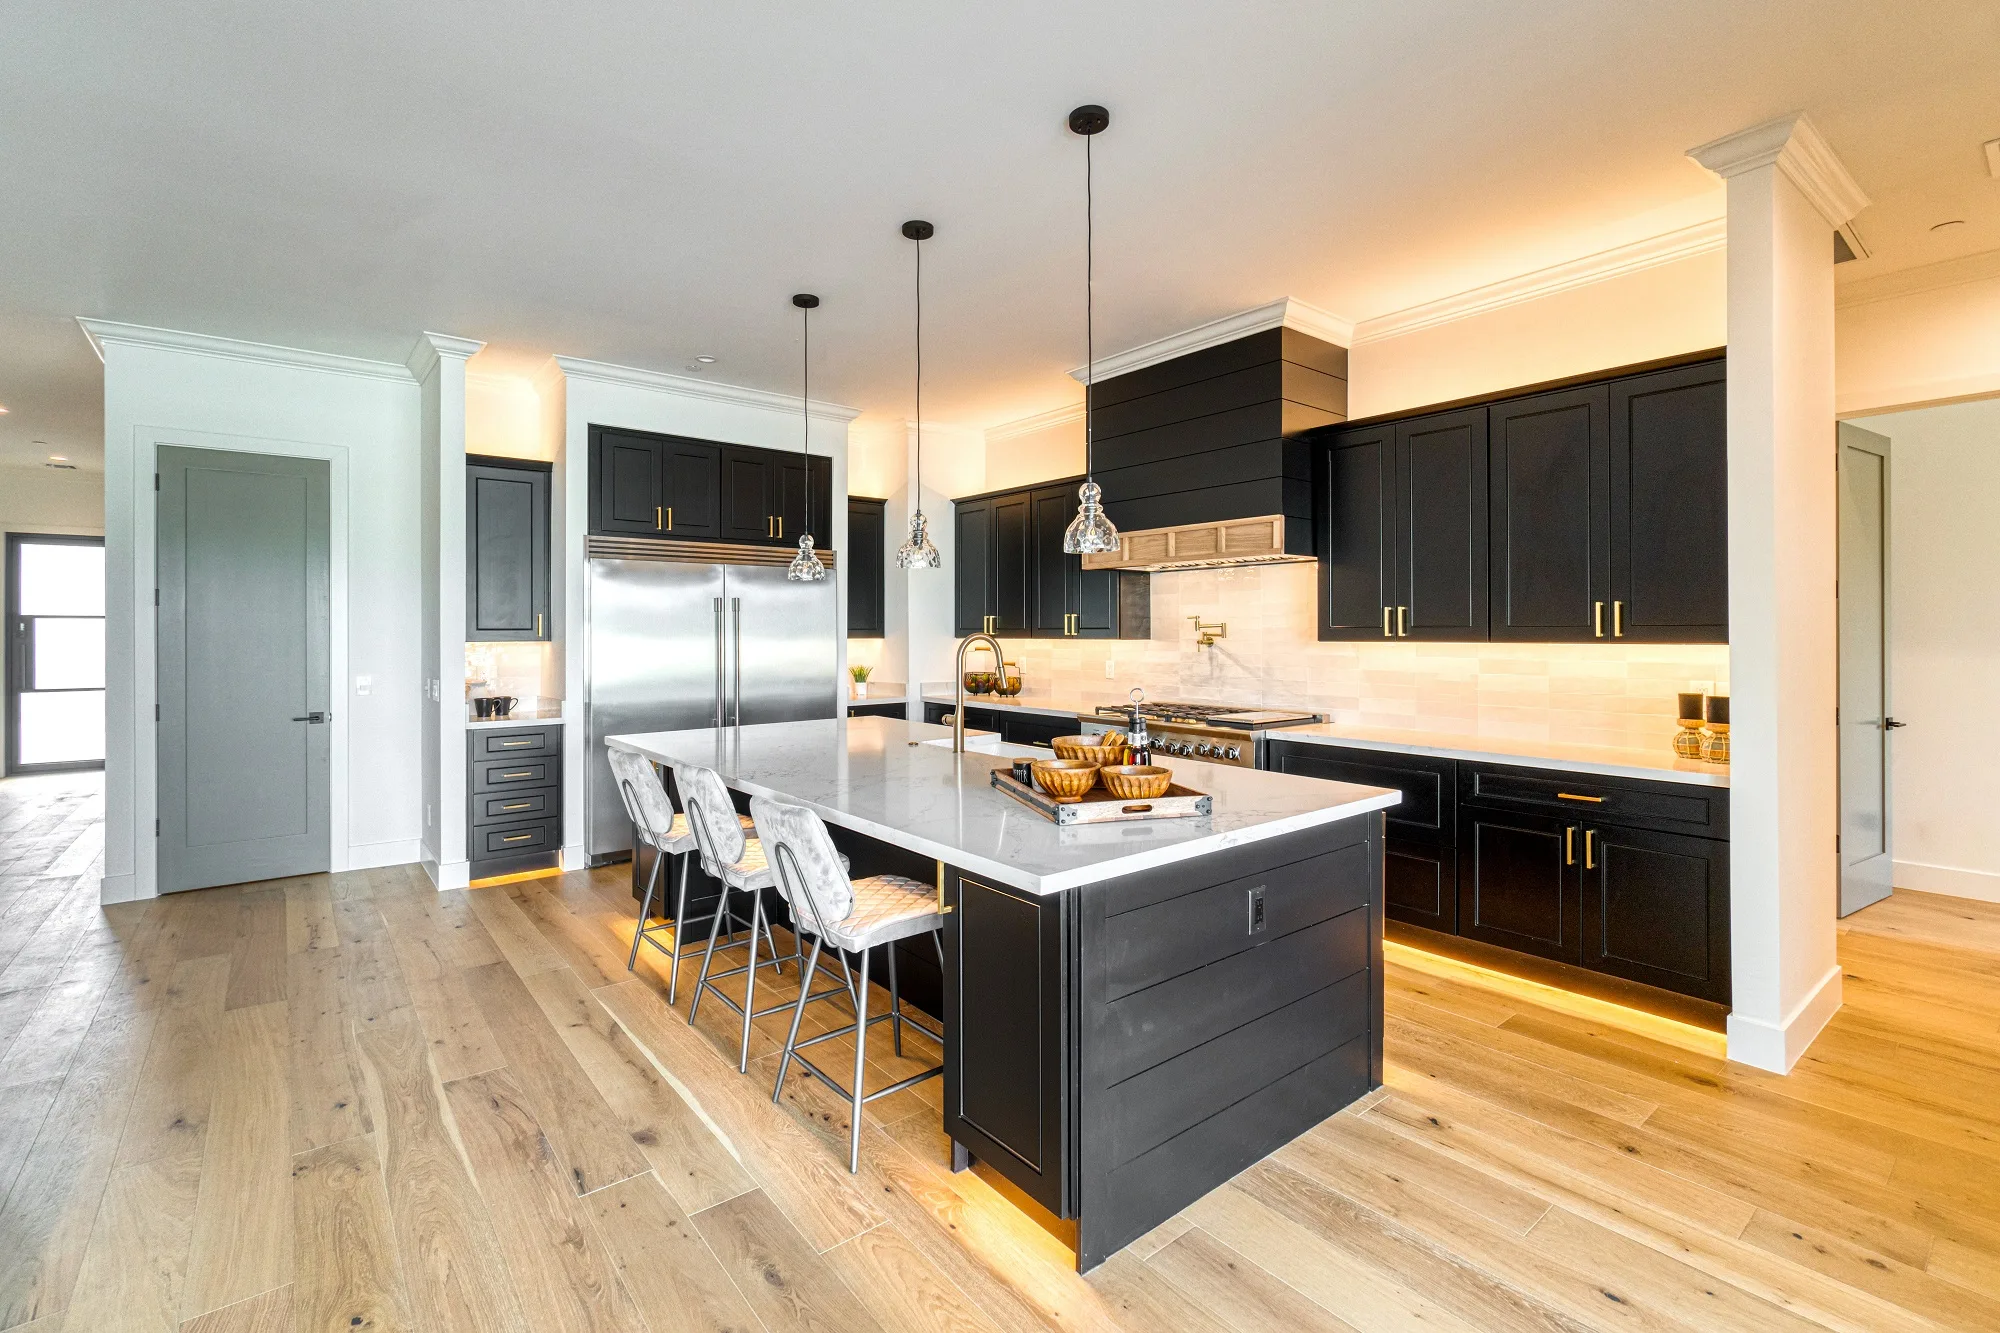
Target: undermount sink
x=983, y=742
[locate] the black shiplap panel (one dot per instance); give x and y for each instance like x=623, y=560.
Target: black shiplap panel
x=1303, y=384
x=1182, y=439
x=1305, y=350
x=1239, y=388
x=1149, y=1108
x=1254, y=349
x=1297, y=418
x=1162, y=1021
x=1191, y=472
x=1153, y=944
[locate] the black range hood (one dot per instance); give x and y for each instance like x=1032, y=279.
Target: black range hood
x=1191, y=450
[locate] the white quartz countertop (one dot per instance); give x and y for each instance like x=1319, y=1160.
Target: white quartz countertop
x=1045, y=707
x=520, y=717
x=1605, y=761
x=882, y=778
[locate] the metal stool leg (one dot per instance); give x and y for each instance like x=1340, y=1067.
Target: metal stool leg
x=708, y=954
x=646, y=910
x=680, y=929
x=798, y=1012
x=895, y=999
x=750, y=979
x=860, y=1060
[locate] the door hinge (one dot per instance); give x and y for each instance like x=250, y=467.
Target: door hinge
x=156, y=481
x=1836, y=843
x=156, y=828
x=156, y=597
x=156, y=712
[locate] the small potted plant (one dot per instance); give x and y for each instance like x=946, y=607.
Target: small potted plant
x=860, y=674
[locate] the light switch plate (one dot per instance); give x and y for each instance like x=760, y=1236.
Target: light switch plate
x=1110, y=669
x=364, y=684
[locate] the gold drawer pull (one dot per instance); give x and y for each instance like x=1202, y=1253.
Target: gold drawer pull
x=1569, y=845
x=518, y=805
x=524, y=773
x=517, y=837
x=525, y=740
x=1572, y=796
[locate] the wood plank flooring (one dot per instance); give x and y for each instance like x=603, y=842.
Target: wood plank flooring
x=350, y=1102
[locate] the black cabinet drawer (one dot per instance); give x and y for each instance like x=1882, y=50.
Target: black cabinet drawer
x=536, y=740
x=1429, y=786
x=531, y=771
x=895, y=708
x=511, y=807
x=514, y=839
x=1668, y=807
x=1035, y=729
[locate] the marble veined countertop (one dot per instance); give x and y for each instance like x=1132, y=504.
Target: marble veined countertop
x=887, y=779
x=1044, y=707
x=1661, y=765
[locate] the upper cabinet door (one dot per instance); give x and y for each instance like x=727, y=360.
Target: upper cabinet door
x=749, y=490
x=1012, y=562
x=690, y=473
x=630, y=492
x=803, y=500
x=1549, y=501
x=1354, y=517
x=507, y=553
x=1670, y=506
x=866, y=561
x=1441, y=518
x=972, y=560
x=1057, y=577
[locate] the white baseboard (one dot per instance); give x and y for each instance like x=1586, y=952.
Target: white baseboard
x=1778, y=1046
x=1983, y=885
x=118, y=889
x=575, y=856
x=449, y=875
x=396, y=852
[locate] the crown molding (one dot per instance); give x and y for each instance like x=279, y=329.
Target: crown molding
x=1288, y=312
x=1041, y=421
x=1925, y=278
x=433, y=347
x=104, y=332
x=1797, y=148
x=1634, y=257
x=655, y=381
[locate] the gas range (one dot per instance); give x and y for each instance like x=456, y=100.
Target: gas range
x=1219, y=733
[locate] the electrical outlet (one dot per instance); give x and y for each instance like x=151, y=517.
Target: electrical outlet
x=364, y=684
x=1110, y=669
x=1256, y=911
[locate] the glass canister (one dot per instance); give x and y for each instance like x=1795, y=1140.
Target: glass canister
x=1007, y=683
x=1716, y=711
x=1688, y=741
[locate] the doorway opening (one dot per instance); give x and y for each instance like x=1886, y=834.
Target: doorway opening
x=55, y=653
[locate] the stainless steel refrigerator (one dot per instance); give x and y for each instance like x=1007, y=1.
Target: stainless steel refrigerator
x=672, y=646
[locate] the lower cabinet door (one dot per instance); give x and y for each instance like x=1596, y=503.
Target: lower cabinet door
x=1656, y=909
x=1032, y=729
x=1517, y=882
x=1420, y=883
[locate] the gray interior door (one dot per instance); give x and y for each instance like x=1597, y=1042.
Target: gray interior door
x=243, y=628
x=1867, y=861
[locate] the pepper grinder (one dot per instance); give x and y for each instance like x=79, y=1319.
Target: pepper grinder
x=1716, y=749
x=1688, y=741
x=1136, y=737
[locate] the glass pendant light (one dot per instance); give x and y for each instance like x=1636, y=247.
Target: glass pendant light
x=1090, y=532
x=806, y=566
x=919, y=552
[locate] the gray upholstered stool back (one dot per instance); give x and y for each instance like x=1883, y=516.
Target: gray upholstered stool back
x=645, y=799
x=805, y=863
x=711, y=815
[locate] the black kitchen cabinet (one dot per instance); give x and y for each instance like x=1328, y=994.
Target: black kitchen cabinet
x=513, y=799
x=972, y=566
x=1355, y=533
x=690, y=505
x=804, y=487
x=749, y=487
x=867, y=565
x=993, y=547
x=1669, y=515
x=1013, y=577
x=506, y=550
x=1608, y=877
x=1550, y=503
x=651, y=485
x=1058, y=576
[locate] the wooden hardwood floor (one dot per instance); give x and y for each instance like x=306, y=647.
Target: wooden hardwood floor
x=349, y=1102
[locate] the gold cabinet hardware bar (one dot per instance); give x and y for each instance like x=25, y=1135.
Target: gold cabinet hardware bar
x=1597, y=619
x=656, y=518
x=1589, y=849
x=524, y=773
x=670, y=518
x=1618, y=620
x=1402, y=622
x=1569, y=845
x=518, y=805
x=508, y=745
x=1387, y=631
x=1572, y=796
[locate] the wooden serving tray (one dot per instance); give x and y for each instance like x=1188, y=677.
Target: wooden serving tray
x=1101, y=807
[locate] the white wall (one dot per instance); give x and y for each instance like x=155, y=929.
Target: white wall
x=175, y=389
x=578, y=394
x=1944, y=646
x=1926, y=336
x=42, y=499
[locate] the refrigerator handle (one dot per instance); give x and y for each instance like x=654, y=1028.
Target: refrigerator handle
x=718, y=662
x=736, y=663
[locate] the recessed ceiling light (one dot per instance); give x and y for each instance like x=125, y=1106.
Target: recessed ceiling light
x=3, y=411
x=1955, y=222
x=706, y=360
x=59, y=458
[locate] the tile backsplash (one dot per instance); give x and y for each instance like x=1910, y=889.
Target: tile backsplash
x=525, y=670
x=1581, y=693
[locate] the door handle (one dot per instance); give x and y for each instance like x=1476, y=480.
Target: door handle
x=719, y=654
x=656, y=518
x=1569, y=846
x=1891, y=724
x=1590, y=849
x=314, y=718
x=1597, y=619
x=1402, y=622
x=736, y=663
x=1388, y=632
x=781, y=527
x=670, y=518
x=1618, y=620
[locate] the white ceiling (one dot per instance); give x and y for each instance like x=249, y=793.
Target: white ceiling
x=645, y=182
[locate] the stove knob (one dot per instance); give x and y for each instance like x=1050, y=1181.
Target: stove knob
x=1235, y=753
x=1183, y=747
x=1204, y=749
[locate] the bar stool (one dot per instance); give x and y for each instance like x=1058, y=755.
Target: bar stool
x=852, y=915
x=656, y=824
x=739, y=862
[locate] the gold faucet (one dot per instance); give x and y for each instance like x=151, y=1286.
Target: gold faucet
x=958, y=683
x=1208, y=634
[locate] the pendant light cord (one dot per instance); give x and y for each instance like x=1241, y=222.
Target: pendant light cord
x=920, y=377
x=805, y=393
x=1089, y=305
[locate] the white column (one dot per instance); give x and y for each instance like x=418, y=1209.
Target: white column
x=438, y=362
x=1787, y=191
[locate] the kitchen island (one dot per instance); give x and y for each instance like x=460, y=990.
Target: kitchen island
x=1133, y=1012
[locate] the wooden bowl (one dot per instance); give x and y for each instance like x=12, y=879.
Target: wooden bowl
x=1136, y=782
x=1065, y=779
x=1099, y=750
